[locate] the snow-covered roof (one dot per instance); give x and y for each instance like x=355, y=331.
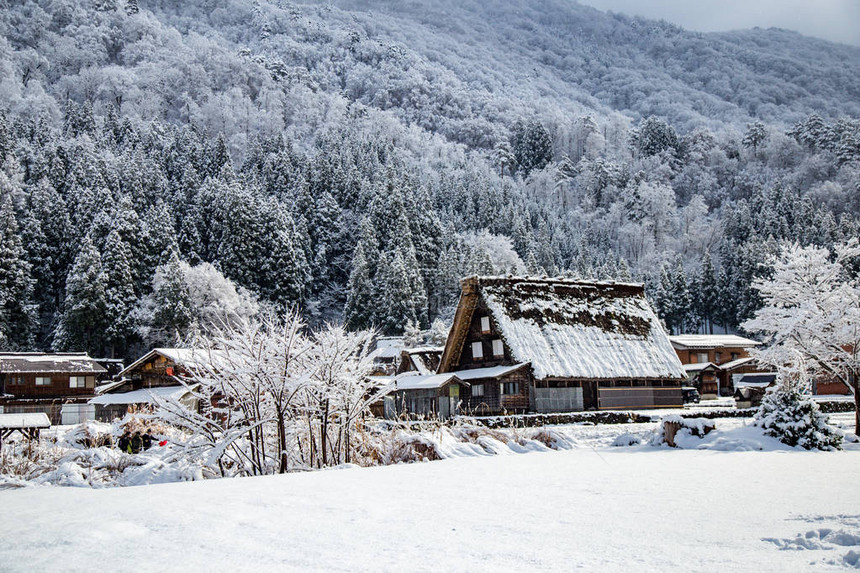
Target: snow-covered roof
x=188, y=357
x=388, y=347
x=698, y=367
x=36, y=362
x=425, y=359
x=736, y=363
x=144, y=396
x=489, y=372
x=20, y=421
x=423, y=382
x=711, y=341
x=412, y=381
x=575, y=329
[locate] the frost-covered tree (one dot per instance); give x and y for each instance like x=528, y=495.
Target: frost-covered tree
x=120, y=298
x=17, y=312
x=755, y=136
x=84, y=321
x=812, y=312
x=167, y=317
x=789, y=413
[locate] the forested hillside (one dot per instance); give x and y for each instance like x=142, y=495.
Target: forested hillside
x=168, y=163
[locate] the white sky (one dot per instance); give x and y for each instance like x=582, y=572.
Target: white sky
x=834, y=20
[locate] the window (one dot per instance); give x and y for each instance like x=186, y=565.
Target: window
x=718, y=357
x=16, y=380
x=498, y=347
x=77, y=381
x=478, y=390
x=477, y=350
x=734, y=355
x=485, y=324
x=43, y=380
x=702, y=357
x=510, y=388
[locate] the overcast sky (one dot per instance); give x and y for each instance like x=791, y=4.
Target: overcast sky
x=835, y=20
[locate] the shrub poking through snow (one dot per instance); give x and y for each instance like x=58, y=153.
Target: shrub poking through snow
x=789, y=414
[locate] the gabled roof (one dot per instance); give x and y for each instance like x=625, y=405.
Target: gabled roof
x=50, y=363
x=423, y=382
x=425, y=360
x=569, y=329
x=702, y=341
x=188, y=357
x=700, y=366
x=736, y=363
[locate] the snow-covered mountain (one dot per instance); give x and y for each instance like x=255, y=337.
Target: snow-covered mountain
x=357, y=158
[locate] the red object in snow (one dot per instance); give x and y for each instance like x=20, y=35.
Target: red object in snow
x=169, y=370
x=162, y=443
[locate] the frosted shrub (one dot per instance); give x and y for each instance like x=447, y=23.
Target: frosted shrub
x=790, y=415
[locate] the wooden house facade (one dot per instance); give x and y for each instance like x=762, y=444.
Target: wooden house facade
x=728, y=353
x=555, y=345
x=32, y=382
x=157, y=373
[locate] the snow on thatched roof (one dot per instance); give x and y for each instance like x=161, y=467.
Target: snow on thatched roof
x=703, y=341
x=575, y=329
x=38, y=362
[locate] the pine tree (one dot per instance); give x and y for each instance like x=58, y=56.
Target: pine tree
x=84, y=319
x=120, y=296
x=172, y=313
x=755, y=135
x=707, y=293
x=359, y=310
x=17, y=312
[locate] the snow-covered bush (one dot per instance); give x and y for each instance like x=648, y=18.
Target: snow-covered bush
x=677, y=431
x=792, y=416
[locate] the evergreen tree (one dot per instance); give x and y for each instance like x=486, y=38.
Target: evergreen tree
x=755, y=136
x=172, y=314
x=120, y=296
x=360, y=304
x=707, y=293
x=17, y=313
x=83, y=323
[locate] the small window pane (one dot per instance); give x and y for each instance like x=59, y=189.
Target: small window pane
x=485, y=324
x=477, y=350
x=43, y=381
x=77, y=381
x=498, y=348
x=702, y=357
x=478, y=390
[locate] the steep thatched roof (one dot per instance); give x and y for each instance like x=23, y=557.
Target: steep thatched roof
x=576, y=329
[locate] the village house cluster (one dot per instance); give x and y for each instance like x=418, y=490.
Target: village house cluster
x=517, y=345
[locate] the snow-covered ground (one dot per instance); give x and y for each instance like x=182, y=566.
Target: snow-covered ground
x=590, y=507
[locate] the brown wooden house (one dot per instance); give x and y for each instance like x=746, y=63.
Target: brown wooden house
x=32, y=382
x=729, y=353
x=554, y=345
x=158, y=373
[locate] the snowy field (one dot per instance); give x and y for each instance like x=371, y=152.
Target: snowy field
x=591, y=507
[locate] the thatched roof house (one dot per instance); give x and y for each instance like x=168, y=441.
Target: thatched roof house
x=588, y=345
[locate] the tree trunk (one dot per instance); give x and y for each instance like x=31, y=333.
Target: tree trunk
x=282, y=443
x=324, y=436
